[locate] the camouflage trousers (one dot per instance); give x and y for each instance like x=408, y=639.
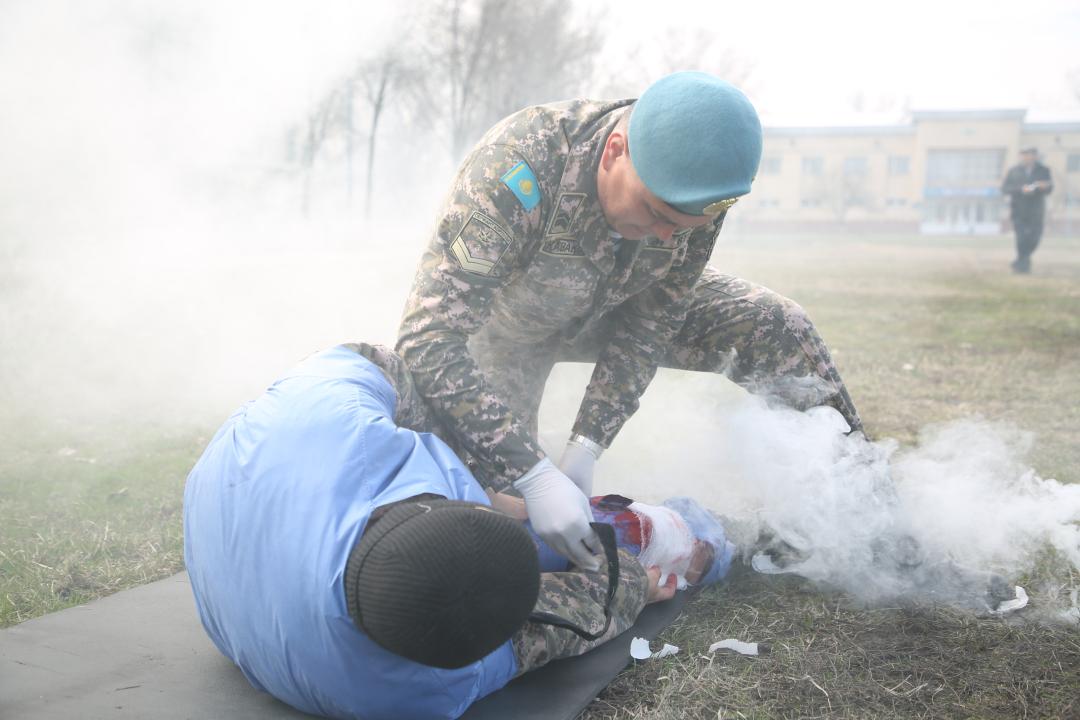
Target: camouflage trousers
x=575, y=595
x=759, y=339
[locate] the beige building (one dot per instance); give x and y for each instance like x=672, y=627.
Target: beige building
x=939, y=173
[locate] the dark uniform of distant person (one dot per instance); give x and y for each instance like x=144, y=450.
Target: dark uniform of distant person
x=1027, y=186
x=580, y=231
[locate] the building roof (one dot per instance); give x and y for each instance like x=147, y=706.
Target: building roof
x=1052, y=127
x=840, y=130
x=879, y=128
x=984, y=114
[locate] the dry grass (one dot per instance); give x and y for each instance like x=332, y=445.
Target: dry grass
x=924, y=329
x=832, y=659
x=82, y=516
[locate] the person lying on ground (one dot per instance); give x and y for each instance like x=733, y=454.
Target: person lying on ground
x=354, y=568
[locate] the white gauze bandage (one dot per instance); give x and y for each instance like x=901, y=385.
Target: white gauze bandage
x=670, y=543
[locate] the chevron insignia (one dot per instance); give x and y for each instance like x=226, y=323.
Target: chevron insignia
x=480, y=244
x=479, y=266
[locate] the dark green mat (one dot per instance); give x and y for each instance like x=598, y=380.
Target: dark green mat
x=142, y=653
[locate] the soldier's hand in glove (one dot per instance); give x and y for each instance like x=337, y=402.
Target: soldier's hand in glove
x=578, y=461
x=560, y=514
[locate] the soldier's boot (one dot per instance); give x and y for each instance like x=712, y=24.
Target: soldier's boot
x=950, y=583
x=939, y=579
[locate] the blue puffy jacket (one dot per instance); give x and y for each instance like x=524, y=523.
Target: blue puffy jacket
x=272, y=510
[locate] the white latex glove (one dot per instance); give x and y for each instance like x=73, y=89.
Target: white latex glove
x=577, y=463
x=560, y=514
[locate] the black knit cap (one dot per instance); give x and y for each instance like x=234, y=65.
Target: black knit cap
x=442, y=582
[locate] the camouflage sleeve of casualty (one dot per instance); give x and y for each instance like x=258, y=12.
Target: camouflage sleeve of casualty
x=483, y=235
x=579, y=597
x=644, y=327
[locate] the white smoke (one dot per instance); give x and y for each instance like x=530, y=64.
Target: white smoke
x=883, y=523
x=151, y=269
x=154, y=262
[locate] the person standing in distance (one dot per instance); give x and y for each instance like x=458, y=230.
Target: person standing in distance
x=1027, y=186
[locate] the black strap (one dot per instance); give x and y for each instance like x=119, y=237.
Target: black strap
x=606, y=533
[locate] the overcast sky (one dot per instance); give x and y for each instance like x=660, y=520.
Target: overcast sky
x=250, y=61
x=130, y=129
x=810, y=58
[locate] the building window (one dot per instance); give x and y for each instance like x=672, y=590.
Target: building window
x=811, y=202
x=895, y=202
x=855, y=166
x=899, y=164
x=768, y=203
x=813, y=166
x=964, y=168
x=770, y=166
x=1072, y=163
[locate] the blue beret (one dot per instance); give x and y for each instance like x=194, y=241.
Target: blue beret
x=695, y=141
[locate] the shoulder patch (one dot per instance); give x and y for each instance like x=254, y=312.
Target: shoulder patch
x=567, y=209
x=522, y=182
x=563, y=246
x=480, y=244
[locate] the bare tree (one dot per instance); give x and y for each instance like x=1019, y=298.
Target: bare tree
x=672, y=50
x=479, y=61
x=330, y=129
x=490, y=58
x=377, y=78
x=322, y=121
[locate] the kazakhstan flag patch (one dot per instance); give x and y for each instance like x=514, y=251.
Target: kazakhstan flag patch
x=522, y=183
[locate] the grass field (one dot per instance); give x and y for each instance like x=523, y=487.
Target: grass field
x=924, y=329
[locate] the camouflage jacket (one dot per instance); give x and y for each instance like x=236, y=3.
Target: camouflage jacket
x=575, y=595
x=522, y=250
x=579, y=597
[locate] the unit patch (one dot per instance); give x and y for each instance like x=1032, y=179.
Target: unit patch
x=654, y=243
x=566, y=211
x=522, y=182
x=563, y=246
x=677, y=242
x=480, y=244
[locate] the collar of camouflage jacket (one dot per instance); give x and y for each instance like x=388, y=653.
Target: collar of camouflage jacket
x=577, y=211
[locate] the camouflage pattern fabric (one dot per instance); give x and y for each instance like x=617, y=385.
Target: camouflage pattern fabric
x=579, y=596
x=761, y=340
x=518, y=277
x=757, y=338
x=500, y=288
x=575, y=595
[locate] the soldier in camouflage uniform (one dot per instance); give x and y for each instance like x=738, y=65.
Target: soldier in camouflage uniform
x=579, y=597
x=555, y=244
x=574, y=595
